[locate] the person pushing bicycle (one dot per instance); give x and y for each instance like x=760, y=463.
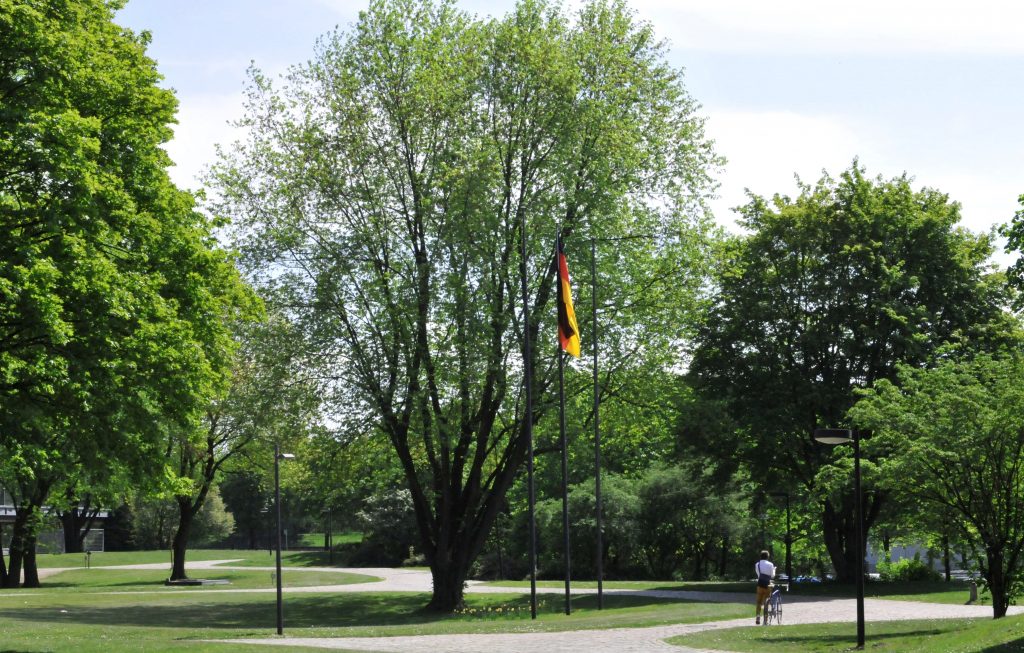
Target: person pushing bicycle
x=765, y=572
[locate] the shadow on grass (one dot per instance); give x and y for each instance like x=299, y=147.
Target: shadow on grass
x=1016, y=645
x=309, y=611
x=812, y=640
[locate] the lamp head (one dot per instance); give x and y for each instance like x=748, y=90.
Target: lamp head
x=833, y=436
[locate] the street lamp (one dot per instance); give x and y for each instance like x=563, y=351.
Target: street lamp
x=329, y=535
x=789, y=538
x=842, y=436
x=278, y=457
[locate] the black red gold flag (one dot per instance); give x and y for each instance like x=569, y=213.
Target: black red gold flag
x=568, y=330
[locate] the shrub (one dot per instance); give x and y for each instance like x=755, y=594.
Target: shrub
x=907, y=569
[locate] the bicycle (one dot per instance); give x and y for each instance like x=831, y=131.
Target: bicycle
x=772, y=610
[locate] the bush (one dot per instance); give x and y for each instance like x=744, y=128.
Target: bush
x=907, y=569
x=389, y=530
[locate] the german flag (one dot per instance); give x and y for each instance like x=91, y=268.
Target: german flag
x=568, y=330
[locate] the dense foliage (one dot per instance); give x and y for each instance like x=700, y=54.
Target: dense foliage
x=112, y=291
x=955, y=436
x=381, y=196
x=829, y=293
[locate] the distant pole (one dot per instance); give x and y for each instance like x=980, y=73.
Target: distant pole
x=789, y=545
x=789, y=537
x=277, y=504
x=566, y=556
x=860, y=539
x=843, y=436
x=597, y=429
x=528, y=418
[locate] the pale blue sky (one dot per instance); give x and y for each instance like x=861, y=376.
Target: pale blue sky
x=931, y=87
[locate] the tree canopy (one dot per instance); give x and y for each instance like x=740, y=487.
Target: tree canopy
x=379, y=197
x=111, y=287
x=829, y=293
x=955, y=433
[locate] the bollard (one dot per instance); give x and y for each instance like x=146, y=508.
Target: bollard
x=973, y=588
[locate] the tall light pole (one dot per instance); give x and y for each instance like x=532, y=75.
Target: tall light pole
x=278, y=456
x=842, y=436
x=789, y=538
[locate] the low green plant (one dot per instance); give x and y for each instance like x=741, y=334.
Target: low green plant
x=920, y=636
x=907, y=569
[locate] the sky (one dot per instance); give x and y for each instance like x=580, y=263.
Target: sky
x=931, y=88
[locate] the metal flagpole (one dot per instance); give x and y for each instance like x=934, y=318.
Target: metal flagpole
x=566, y=557
x=597, y=429
x=528, y=419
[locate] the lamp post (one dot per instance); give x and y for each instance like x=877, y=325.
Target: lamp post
x=278, y=457
x=789, y=538
x=329, y=535
x=842, y=436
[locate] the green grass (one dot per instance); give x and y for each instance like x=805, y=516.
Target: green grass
x=922, y=636
x=954, y=592
x=52, y=618
x=138, y=580
x=317, y=539
x=244, y=557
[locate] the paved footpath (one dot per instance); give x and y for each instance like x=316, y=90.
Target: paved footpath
x=797, y=610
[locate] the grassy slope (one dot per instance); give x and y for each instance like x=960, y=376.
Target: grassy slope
x=102, y=610
x=931, y=636
x=954, y=592
x=244, y=557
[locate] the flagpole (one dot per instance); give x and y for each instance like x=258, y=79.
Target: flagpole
x=561, y=429
x=597, y=429
x=528, y=419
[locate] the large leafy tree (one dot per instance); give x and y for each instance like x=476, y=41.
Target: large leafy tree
x=382, y=193
x=828, y=293
x=112, y=292
x=956, y=433
x=267, y=400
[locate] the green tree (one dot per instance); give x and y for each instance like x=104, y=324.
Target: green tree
x=828, y=293
x=686, y=520
x=1014, y=234
x=956, y=432
x=111, y=288
x=248, y=498
x=382, y=194
x=267, y=400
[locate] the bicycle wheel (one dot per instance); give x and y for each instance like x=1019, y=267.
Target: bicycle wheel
x=767, y=611
x=777, y=608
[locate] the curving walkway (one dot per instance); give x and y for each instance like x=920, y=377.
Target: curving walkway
x=798, y=610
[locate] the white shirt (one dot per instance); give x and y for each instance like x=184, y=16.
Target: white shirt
x=764, y=567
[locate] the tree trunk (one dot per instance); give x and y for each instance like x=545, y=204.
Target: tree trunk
x=19, y=542
x=724, y=558
x=946, y=558
x=180, y=544
x=449, y=585
x=3, y=562
x=69, y=523
x=839, y=526
x=31, y=570
x=840, y=534
x=996, y=579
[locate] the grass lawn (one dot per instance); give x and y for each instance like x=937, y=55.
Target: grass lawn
x=317, y=539
x=953, y=592
x=244, y=557
x=145, y=580
x=931, y=636
x=102, y=610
